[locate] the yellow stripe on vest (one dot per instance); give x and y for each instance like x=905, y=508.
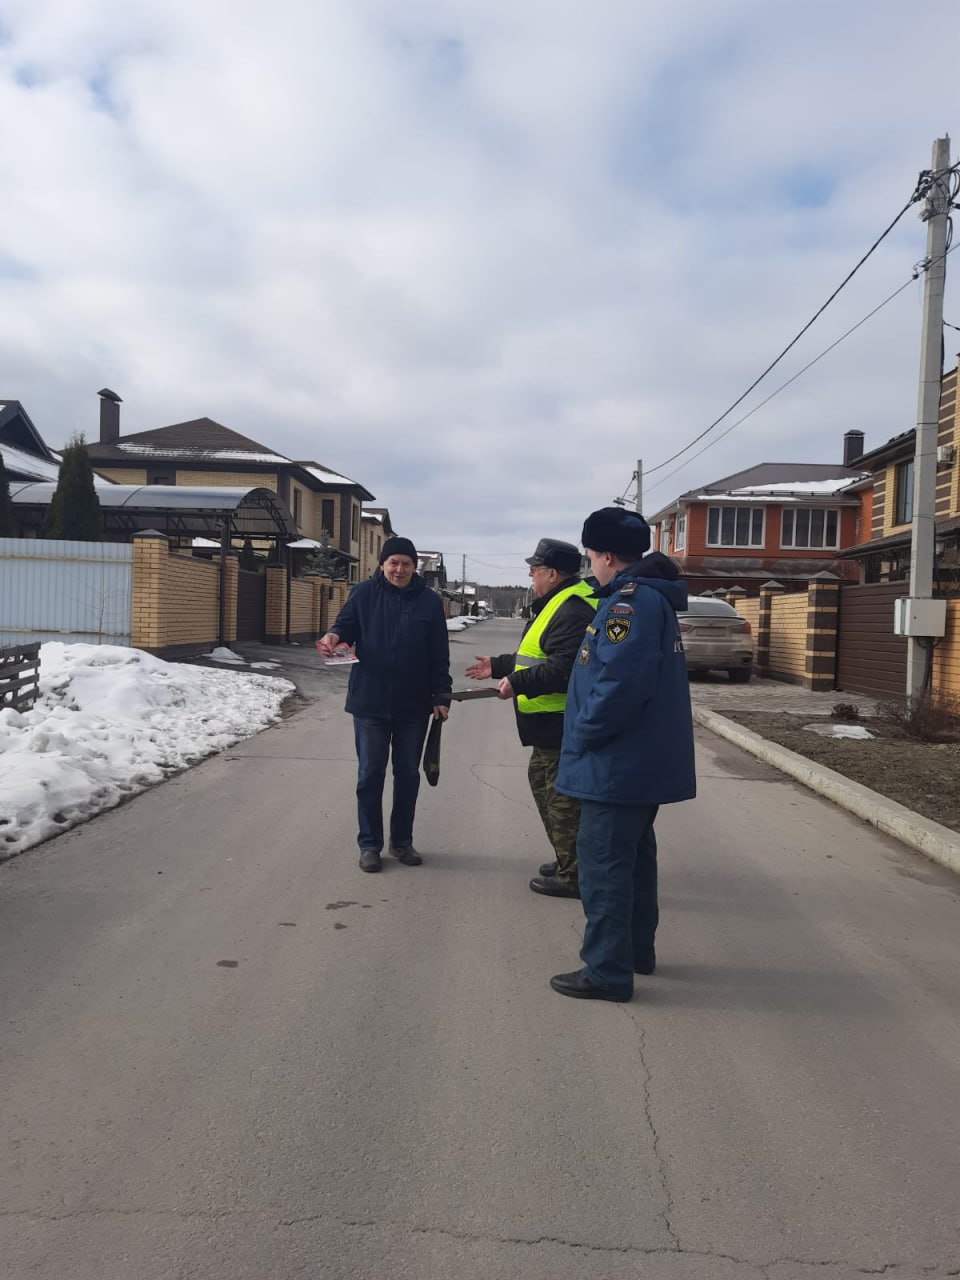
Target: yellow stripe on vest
x=530, y=653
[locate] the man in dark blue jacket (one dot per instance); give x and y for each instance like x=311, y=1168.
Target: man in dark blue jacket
x=402, y=676
x=627, y=749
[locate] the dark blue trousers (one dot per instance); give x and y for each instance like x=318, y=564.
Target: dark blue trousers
x=374, y=739
x=617, y=857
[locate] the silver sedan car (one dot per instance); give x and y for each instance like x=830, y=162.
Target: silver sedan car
x=716, y=638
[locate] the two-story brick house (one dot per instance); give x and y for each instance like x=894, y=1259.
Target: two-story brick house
x=882, y=553
x=776, y=520
x=323, y=502
x=375, y=528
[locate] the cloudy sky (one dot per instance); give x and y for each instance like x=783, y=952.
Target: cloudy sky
x=480, y=256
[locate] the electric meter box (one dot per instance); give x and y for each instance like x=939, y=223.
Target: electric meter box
x=919, y=617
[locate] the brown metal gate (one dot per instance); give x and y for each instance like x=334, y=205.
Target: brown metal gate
x=251, y=606
x=870, y=658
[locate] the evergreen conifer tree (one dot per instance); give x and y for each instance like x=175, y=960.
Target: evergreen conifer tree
x=7, y=522
x=74, y=511
x=249, y=561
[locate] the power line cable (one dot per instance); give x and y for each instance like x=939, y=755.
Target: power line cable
x=921, y=267
x=924, y=182
x=783, y=386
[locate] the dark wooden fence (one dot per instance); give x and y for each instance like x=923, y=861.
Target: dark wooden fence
x=870, y=658
x=19, y=676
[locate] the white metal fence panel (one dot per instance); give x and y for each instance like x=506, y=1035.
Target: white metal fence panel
x=59, y=590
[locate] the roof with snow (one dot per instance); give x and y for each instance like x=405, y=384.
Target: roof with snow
x=203, y=440
x=778, y=481
x=332, y=479
x=200, y=439
x=17, y=432
x=27, y=466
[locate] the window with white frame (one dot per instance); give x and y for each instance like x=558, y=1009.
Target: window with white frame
x=680, y=533
x=735, y=526
x=903, y=492
x=809, y=529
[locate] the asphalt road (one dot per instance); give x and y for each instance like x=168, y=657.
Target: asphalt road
x=228, y=1053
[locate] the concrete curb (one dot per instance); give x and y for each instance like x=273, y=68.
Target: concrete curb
x=936, y=842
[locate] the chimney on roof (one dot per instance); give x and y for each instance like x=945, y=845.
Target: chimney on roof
x=852, y=447
x=110, y=404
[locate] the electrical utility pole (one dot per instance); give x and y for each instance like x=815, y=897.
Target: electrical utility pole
x=463, y=585
x=638, y=476
x=921, y=629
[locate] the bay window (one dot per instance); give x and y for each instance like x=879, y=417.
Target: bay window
x=735, y=526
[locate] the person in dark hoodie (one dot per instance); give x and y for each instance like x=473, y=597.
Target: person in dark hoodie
x=536, y=678
x=398, y=631
x=627, y=749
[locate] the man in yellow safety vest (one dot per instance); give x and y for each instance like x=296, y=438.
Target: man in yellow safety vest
x=536, y=677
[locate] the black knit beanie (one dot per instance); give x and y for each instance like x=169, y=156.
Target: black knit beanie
x=615, y=529
x=398, y=547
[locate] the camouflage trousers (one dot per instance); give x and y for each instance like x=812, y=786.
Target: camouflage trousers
x=560, y=814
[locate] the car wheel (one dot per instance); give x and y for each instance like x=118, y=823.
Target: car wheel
x=740, y=675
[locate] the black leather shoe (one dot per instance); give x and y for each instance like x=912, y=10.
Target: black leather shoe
x=370, y=860
x=407, y=855
x=552, y=887
x=645, y=961
x=574, y=984
x=549, y=868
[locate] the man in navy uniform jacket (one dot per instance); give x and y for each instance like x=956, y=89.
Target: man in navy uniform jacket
x=401, y=679
x=627, y=749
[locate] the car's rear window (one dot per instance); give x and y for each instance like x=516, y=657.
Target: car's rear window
x=697, y=604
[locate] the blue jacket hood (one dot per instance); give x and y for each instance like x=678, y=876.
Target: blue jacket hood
x=656, y=571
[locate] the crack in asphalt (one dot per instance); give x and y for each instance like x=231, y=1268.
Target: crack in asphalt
x=473, y=770
x=648, y=1116
x=932, y=1271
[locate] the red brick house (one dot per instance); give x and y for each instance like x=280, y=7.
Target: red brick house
x=777, y=520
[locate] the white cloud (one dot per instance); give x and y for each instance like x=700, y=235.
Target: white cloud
x=480, y=257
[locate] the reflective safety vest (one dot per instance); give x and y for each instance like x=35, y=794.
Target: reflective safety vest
x=531, y=655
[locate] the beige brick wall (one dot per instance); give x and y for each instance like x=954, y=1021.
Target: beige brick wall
x=230, y=479
x=276, y=610
x=945, y=677
x=333, y=595
x=788, y=635
x=750, y=609
x=175, y=598
x=304, y=607
x=123, y=475
x=371, y=544
x=230, y=593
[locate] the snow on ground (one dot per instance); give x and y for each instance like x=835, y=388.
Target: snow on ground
x=110, y=722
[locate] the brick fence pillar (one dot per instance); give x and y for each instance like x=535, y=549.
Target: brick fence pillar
x=823, y=605
x=150, y=552
x=276, y=607
x=767, y=592
x=316, y=606
x=734, y=595
x=231, y=593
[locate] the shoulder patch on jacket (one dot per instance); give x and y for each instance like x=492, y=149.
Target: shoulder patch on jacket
x=622, y=609
x=617, y=629
x=627, y=589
